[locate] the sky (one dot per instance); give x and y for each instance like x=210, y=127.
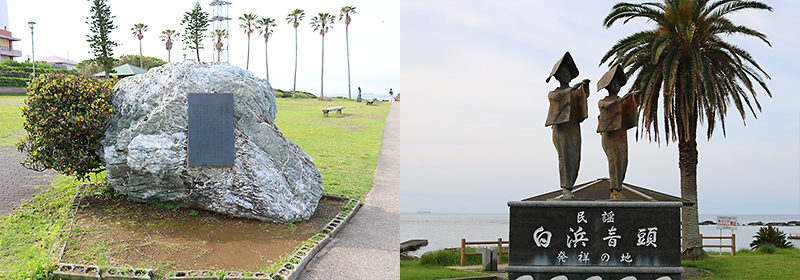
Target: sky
x=374, y=39
x=473, y=134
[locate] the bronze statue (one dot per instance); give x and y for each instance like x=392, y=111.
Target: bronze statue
x=617, y=115
x=567, y=110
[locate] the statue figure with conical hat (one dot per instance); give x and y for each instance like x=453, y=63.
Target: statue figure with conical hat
x=617, y=115
x=567, y=110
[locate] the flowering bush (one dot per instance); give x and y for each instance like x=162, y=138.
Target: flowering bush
x=66, y=116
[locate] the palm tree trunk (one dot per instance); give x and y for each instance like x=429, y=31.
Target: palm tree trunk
x=687, y=162
x=266, y=57
x=141, y=58
x=347, y=43
x=294, y=86
x=248, y=53
x=322, y=69
x=169, y=56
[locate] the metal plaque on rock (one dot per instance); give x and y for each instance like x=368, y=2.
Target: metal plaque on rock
x=210, y=129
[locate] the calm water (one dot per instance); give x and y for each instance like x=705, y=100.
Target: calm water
x=447, y=230
x=364, y=95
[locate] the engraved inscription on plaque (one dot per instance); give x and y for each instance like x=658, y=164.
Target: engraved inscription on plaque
x=210, y=129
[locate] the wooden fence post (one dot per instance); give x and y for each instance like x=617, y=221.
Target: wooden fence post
x=733, y=244
x=463, y=250
x=499, y=251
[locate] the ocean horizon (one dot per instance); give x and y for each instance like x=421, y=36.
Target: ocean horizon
x=445, y=230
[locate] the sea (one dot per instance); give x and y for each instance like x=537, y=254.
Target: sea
x=364, y=95
x=446, y=230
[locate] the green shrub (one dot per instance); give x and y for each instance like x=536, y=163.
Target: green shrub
x=448, y=257
x=772, y=236
x=66, y=117
x=766, y=249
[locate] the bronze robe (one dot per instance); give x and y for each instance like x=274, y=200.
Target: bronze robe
x=567, y=110
x=617, y=115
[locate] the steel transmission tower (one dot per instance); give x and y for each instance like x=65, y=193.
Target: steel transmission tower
x=220, y=20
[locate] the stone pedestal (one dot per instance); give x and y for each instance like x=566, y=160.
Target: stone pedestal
x=488, y=259
x=584, y=239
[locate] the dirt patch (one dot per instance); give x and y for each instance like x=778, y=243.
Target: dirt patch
x=119, y=232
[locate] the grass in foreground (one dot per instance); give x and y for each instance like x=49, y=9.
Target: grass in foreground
x=783, y=264
x=413, y=270
x=433, y=265
x=27, y=236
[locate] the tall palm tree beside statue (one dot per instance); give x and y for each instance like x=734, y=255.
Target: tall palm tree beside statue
x=138, y=31
x=345, y=13
x=249, y=27
x=265, y=26
x=699, y=75
x=322, y=23
x=218, y=35
x=168, y=35
x=294, y=18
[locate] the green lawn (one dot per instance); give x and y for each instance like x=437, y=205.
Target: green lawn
x=345, y=147
x=11, y=119
x=414, y=270
x=784, y=264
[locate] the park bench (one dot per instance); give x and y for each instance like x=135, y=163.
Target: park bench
x=337, y=109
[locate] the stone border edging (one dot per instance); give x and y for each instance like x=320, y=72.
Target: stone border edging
x=292, y=268
x=289, y=270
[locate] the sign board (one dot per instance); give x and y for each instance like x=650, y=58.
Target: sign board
x=583, y=239
x=210, y=117
x=726, y=222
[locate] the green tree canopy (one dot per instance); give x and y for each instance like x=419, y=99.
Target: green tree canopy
x=101, y=24
x=699, y=75
x=195, y=24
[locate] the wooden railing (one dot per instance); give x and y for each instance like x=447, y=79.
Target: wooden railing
x=499, y=243
x=732, y=245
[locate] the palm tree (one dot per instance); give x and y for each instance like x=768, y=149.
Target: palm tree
x=322, y=22
x=685, y=55
x=264, y=25
x=219, y=34
x=345, y=13
x=249, y=27
x=167, y=35
x=138, y=31
x=294, y=18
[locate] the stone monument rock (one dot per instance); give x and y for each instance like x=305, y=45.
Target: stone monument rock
x=145, y=148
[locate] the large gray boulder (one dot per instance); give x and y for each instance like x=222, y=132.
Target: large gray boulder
x=145, y=148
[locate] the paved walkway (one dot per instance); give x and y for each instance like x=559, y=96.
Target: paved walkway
x=16, y=181
x=369, y=246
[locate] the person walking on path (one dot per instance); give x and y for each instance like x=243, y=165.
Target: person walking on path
x=391, y=96
x=368, y=247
